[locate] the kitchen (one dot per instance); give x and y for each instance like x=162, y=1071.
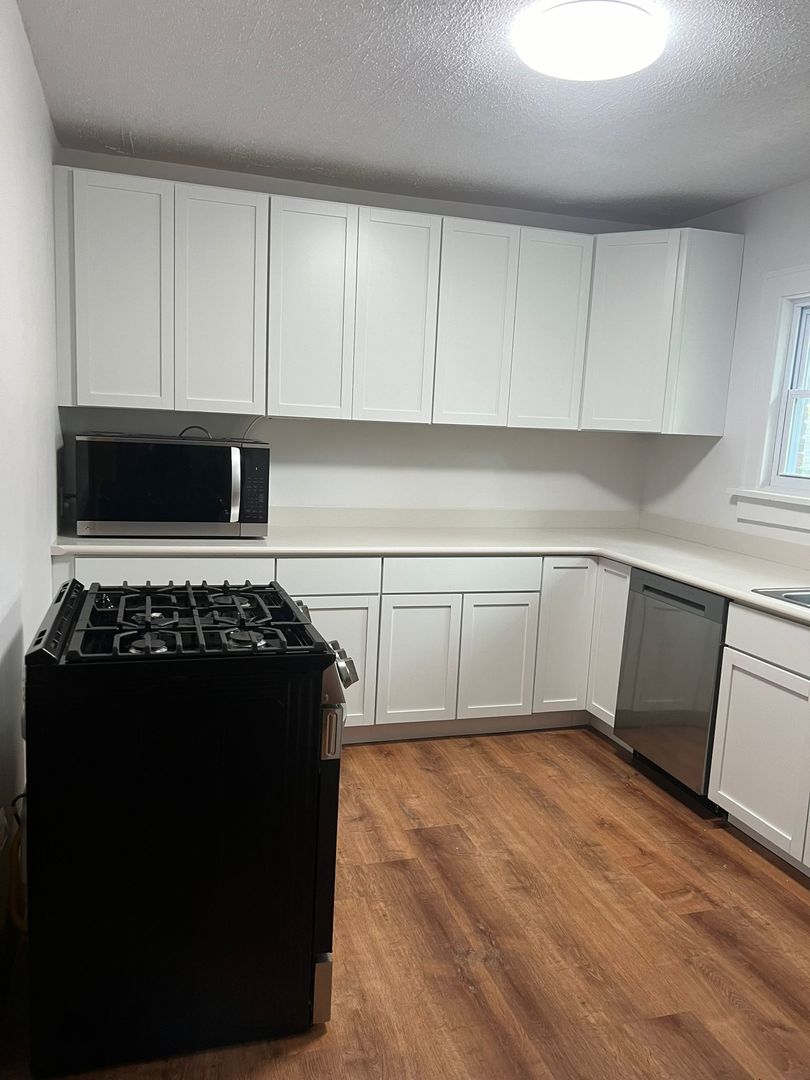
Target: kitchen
x=535, y=463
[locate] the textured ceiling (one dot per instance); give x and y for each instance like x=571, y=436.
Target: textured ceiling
x=426, y=97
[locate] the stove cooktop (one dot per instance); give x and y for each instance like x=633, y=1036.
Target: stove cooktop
x=125, y=622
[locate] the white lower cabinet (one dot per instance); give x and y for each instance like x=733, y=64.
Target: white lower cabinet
x=564, y=638
x=610, y=612
x=417, y=677
x=761, y=761
x=498, y=643
x=354, y=622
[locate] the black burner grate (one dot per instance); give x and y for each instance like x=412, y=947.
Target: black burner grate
x=171, y=621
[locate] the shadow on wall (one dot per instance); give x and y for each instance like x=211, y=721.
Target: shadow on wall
x=671, y=459
x=366, y=464
x=11, y=703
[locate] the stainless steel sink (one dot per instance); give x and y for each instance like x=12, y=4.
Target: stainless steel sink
x=792, y=596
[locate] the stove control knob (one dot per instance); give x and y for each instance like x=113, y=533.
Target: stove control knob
x=346, y=670
x=337, y=649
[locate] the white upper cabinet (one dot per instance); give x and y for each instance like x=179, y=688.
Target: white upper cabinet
x=220, y=299
x=663, y=310
x=631, y=320
x=395, y=326
x=123, y=235
x=313, y=267
x=476, y=319
x=551, y=323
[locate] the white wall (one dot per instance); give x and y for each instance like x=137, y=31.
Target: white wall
x=347, y=464
x=28, y=416
x=689, y=477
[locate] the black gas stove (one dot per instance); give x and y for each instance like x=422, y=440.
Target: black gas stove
x=183, y=748
x=174, y=621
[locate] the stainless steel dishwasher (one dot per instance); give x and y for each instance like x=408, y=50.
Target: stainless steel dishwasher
x=673, y=641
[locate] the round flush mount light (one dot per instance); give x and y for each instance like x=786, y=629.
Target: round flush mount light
x=589, y=40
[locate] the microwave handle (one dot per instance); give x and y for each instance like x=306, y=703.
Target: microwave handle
x=236, y=482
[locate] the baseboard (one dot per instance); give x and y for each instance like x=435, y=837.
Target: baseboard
x=439, y=729
x=607, y=731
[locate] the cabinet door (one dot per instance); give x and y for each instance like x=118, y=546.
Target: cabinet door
x=123, y=230
x=476, y=318
x=551, y=322
x=628, y=339
x=313, y=269
x=395, y=327
x=419, y=646
x=354, y=622
x=761, y=759
x=498, y=646
x=220, y=245
x=610, y=611
x=564, y=638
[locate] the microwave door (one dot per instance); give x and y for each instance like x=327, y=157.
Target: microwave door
x=143, y=488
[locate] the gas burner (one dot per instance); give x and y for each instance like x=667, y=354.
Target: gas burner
x=151, y=618
x=229, y=600
x=105, y=603
x=246, y=639
x=148, y=645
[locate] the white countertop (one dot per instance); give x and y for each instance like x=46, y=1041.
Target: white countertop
x=725, y=572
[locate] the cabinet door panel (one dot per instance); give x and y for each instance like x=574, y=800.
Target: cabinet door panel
x=220, y=299
x=124, y=282
x=476, y=319
x=629, y=335
x=564, y=639
x=551, y=322
x=313, y=267
x=610, y=612
x=498, y=645
x=761, y=759
x=395, y=329
x=419, y=655
x=354, y=622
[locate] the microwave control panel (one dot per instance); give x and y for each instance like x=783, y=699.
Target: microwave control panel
x=255, y=484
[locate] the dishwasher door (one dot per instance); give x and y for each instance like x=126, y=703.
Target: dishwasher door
x=673, y=641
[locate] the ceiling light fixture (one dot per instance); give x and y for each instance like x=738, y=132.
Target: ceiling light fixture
x=588, y=40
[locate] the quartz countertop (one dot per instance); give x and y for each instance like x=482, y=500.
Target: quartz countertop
x=726, y=572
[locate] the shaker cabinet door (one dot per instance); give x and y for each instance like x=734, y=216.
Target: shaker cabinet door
x=498, y=645
x=220, y=299
x=313, y=268
x=476, y=320
x=564, y=638
x=760, y=768
x=395, y=326
x=551, y=322
x=632, y=307
x=610, y=613
x=419, y=650
x=124, y=290
x=354, y=622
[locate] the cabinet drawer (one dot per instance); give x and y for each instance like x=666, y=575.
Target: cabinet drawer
x=777, y=640
x=111, y=570
x=323, y=577
x=467, y=574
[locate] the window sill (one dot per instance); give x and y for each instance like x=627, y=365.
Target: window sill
x=768, y=508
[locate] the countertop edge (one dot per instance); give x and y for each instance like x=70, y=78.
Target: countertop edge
x=597, y=549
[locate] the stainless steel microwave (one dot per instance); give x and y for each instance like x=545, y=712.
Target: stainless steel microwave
x=145, y=485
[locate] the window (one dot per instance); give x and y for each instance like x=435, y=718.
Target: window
x=791, y=458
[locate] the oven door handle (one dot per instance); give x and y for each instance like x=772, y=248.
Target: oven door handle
x=236, y=482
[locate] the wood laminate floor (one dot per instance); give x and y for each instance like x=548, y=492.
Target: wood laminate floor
x=531, y=906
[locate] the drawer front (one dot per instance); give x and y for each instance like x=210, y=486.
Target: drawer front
x=324, y=577
x=112, y=570
x=516, y=573
x=779, y=641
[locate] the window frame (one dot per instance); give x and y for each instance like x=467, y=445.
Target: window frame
x=795, y=370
